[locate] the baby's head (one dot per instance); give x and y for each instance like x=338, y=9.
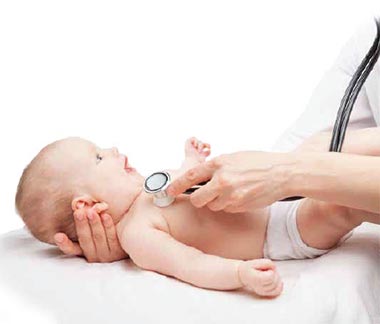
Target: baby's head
x=70, y=174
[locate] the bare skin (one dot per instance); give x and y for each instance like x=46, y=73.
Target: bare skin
x=219, y=250
x=98, y=241
x=197, y=245
x=345, y=179
x=104, y=246
x=201, y=238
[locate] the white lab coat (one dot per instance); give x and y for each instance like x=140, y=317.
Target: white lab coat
x=322, y=108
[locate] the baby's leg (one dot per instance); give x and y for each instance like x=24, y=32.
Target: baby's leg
x=196, y=152
x=322, y=225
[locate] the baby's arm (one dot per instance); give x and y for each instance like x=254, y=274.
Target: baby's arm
x=153, y=249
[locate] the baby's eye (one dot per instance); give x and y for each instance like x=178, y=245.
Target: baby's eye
x=98, y=158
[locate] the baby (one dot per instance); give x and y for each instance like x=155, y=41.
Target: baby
x=215, y=250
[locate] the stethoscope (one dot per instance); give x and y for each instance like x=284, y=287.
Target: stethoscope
x=157, y=183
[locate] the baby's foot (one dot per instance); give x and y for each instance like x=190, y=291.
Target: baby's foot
x=261, y=276
x=195, y=149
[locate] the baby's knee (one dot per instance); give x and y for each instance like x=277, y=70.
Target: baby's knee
x=336, y=215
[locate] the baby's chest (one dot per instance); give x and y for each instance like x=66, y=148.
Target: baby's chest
x=215, y=233
x=220, y=233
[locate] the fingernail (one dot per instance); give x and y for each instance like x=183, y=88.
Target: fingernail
x=79, y=216
x=105, y=217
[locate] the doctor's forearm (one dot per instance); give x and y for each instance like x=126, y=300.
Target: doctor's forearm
x=342, y=179
x=365, y=141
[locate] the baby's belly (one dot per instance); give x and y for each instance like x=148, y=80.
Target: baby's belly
x=235, y=236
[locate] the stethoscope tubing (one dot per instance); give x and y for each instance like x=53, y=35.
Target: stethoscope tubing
x=344, y=112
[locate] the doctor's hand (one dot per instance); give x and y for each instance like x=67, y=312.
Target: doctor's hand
x=98, y=241
x=239, y=181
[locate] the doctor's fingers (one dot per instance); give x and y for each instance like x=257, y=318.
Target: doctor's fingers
x=113, y=241
x=85, y=235
x=205, y=194
x=220, y=202
x=247, y=197
x=250, y=202
x=216, y=193
x=98, y=236
x=67, y=246
x=231, y=196
x=194, y=176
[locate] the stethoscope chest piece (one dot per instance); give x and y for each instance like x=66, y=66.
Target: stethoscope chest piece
x=156, y=184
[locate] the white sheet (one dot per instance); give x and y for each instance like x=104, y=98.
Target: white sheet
x=340, y=287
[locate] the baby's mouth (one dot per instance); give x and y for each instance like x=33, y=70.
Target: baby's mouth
x=127, y=167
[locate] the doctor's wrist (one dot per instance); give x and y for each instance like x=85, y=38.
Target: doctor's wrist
x=284, y=174
x=311, y=173
x=296, y=173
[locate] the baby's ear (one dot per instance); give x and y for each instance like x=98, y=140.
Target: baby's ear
x=82, y=202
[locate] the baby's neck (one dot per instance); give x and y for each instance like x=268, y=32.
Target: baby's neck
x=131, y=209
x=134, y=202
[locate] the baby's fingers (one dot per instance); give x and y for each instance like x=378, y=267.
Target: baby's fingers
x=275, y=291
x=67, y=246
x=266, y=277
x=272, y=283
x=263, y=264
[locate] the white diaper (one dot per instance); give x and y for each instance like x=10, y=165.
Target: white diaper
x=283, y=240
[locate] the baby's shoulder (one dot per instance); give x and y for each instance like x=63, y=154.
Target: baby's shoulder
x=150, y=217
x=142, y=217
x=135, y=234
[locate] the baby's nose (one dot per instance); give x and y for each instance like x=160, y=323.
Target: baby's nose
x=115, y=151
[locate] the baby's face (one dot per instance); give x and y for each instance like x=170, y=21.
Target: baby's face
x=103, y=174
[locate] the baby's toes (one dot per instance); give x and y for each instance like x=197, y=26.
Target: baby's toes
x=191, y=146
x=190, y=142
x=204, y=149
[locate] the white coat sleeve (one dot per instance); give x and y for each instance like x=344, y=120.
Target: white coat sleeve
x=321, y=111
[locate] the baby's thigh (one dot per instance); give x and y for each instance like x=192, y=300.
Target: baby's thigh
x=321, y=224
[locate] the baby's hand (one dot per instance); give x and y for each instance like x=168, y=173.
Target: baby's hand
x=197, y=150
x=261, y=276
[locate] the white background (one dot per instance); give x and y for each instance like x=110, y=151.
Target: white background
x=146, y=75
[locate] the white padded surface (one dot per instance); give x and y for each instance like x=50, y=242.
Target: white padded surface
x=340, y=287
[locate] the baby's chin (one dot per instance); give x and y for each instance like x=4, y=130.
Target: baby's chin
x=139, y=177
